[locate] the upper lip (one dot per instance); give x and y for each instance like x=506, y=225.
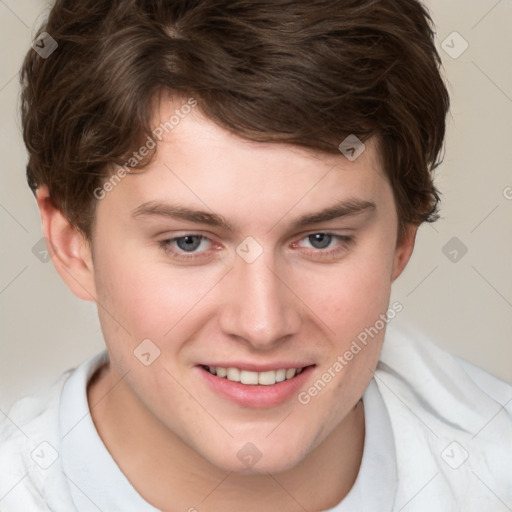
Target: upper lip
x=252, y=367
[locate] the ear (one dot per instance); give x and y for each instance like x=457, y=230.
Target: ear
x=404, y=250
x=69, y=250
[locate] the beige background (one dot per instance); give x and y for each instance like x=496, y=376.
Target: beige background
x=466, y=306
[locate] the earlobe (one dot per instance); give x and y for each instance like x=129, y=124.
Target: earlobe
x=68, y=248
x=404, y=250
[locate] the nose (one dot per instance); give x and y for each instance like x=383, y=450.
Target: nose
x=258, y=304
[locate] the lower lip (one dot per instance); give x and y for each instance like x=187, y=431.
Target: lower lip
x=256, y=396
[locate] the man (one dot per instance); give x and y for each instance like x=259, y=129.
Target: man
x=236, y=185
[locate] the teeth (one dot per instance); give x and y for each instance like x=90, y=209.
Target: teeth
x=290, y=373
x=233, y=374
x=267, y=378
x=221, y=372
x=280, y=375
x=247, y=377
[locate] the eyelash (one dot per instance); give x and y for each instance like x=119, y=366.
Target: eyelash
x=345, y=241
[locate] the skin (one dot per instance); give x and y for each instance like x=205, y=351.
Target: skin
x=175, y=439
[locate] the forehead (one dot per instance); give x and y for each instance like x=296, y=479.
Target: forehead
x=200, y=165
x=181, y=124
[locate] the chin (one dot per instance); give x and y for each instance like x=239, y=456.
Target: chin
x=255, y=459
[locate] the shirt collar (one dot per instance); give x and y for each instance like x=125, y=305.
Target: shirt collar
x=95, y=480
x=376, y=484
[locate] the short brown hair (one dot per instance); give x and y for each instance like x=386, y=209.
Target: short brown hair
x=307, y=72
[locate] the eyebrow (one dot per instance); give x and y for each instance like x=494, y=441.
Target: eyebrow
x=340, y=209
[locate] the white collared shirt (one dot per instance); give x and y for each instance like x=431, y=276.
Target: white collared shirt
x=438, y=436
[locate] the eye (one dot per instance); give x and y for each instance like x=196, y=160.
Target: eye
x=320, y=240
x=325, y=245
x=188, y=244
x=317, y=245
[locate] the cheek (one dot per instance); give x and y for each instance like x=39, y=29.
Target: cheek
x=350, y=297
x=149, y=297
x=350, y=302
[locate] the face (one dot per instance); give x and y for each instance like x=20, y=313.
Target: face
x=291, y=259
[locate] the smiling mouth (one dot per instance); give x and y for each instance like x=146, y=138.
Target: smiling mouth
x=249, y=378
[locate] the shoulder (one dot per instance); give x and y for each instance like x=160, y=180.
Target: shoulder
x=29, y=451
x=497, y=389
x=452, y=423
x=412, y=357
